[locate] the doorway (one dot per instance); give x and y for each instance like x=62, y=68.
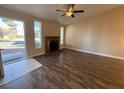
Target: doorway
x=12, y=40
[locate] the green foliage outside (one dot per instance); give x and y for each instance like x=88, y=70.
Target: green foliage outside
x=9, y=32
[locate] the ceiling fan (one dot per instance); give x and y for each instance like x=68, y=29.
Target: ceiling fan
x=70, y=11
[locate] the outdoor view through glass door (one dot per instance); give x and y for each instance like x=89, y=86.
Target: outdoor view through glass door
x=12, y=40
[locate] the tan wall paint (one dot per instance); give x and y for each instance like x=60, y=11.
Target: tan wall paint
x=103, y=33
x=49, y=28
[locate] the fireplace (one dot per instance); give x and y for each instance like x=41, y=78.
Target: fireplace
x=52, y=43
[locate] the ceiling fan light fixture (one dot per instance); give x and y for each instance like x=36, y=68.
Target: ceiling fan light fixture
x=69, y=13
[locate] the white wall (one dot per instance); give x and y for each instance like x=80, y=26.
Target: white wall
x=103, y=33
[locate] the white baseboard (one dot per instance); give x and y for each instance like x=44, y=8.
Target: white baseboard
x=61, y=47
x=36, y=55
x=96, y=53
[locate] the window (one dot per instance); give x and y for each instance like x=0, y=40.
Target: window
x=37, y=32
x=12, y=40
x=11, y=33
x=61, y=35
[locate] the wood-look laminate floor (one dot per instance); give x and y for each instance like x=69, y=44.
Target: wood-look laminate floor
x=71, y=69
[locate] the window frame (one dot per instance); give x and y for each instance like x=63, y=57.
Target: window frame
x=62, y=36
x=41, y=43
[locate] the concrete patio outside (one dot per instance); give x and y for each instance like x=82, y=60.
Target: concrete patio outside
x=11, y=55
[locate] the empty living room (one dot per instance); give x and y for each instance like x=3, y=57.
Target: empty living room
x=61, y=46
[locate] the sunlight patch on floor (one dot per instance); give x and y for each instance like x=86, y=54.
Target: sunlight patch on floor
x=18, y=69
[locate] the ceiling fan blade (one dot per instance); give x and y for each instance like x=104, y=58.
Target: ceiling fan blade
x=61, y=10
x=72, y=15
x=78, y=11
x=63, y=15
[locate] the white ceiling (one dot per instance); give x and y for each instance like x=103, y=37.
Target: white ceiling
x=48, y=11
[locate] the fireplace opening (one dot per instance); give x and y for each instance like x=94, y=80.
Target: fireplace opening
x=53, y=45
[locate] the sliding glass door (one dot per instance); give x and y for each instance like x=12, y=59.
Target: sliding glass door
x=12, y=40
